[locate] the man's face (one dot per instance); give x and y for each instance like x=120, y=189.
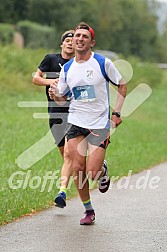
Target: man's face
x=67, y=46
x=82, y=40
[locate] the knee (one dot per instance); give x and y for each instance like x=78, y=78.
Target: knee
x=93, y=174
x=78, y=167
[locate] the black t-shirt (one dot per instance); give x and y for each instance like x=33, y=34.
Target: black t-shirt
x=51, y=66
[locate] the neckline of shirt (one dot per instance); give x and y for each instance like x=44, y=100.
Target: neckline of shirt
x=84, y=62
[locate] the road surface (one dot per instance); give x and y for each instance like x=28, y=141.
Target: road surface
x=130, y=217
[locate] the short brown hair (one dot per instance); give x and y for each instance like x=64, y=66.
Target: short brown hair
x=83, y=25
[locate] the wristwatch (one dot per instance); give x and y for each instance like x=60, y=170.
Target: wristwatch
x=118, y=114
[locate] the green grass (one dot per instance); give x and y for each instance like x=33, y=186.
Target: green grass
x=141, y=140
x=139, y=143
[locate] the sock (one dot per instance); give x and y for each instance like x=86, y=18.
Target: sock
x=63, y=189
x=87, y=204
x=103, y=173
x=103, y=170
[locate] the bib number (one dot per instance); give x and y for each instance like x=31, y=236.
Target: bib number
x=84, y=93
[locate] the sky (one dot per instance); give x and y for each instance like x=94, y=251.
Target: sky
x=165, y=1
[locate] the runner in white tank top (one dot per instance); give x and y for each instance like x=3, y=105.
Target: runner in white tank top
x=86, y=77
x=90, y=92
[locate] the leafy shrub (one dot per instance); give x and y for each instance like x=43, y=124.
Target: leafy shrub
x=6, y=33
x=36, y=35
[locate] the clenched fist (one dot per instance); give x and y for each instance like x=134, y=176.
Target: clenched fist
x=53, y=91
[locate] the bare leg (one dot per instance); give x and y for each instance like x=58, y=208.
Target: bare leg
x=94, y=162
x=67, y=169
x=79, y=166
x=66, y=173
x=61, y=150
x=97, y=167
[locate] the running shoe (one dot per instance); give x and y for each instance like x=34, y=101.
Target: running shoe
x=104, y=181
x=60, y=200
x=89, y=218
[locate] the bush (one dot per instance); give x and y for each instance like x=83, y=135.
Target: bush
x=6, y=34
x=36, y=35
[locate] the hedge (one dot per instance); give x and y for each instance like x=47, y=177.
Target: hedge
x=36, y=35
x=6, y=33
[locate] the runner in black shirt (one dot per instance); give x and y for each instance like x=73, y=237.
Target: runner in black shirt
x=47, y=74
x=50, y=68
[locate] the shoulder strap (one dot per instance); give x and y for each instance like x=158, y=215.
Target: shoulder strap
x=67, y=66
x=101, y=60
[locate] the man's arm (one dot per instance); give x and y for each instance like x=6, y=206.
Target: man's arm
x=39, y=80
x=56, y=96
x=116, y=115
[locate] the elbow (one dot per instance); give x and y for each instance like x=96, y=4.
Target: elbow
x=34, y=81
x=122, y=89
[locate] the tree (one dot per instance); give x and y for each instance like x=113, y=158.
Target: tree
x=124, y=26
x=12, y=11
x=127, y=28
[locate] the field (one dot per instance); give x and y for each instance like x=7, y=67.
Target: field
x=139, y=143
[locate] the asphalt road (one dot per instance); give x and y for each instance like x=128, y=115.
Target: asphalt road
x=130, y=217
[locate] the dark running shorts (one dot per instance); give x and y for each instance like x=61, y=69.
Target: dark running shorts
x=58, y=128
x=97, y=137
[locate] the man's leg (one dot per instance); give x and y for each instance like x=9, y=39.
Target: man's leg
x=94, y=161
x=61, y=150
x=80, y=178
x=98, y=140
x=79, y=166
x=66, y=173
x=97, y=167
x=58, y=126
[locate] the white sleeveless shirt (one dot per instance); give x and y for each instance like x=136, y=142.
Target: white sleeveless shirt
x=89, y=107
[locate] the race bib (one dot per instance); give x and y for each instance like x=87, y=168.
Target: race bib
x=84, y=93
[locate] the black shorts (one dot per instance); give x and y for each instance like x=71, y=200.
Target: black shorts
x=97, y=137
x=58, y=128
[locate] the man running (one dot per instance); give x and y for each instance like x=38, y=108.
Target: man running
x=87, y=77
x=47, y=74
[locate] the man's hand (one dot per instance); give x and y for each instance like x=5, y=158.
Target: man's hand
x=54, y=82
x=115, y=121
x=53, y=91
